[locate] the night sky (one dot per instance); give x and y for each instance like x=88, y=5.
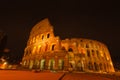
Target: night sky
x=97, y=20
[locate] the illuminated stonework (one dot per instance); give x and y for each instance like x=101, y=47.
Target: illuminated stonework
x=44, y=51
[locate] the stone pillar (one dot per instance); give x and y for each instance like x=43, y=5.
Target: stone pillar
x=56, y=62
x=46, y=63
x=66, y=64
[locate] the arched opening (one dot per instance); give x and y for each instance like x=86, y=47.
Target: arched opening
x=63, y=48
x=108, y=67
x=24, y=63
x=34, y=40
x=104, y=67
x=31, y=64
x=26, y=53
x=42, y=64
x=37, y=63
x=93, y=53
x=51, y=64
x=70, y=50
x=95, y=66
x=72, y=64
x=105, y=56
x=98, y=54
x=101, y=66
x=28, y=62
x=34, y=50
x=61, y=64
x=53, y=47
x=42, y=37
x=88, y=53
x=87, y=46
x=90, y=66
x=80, y=66
x=48, y=35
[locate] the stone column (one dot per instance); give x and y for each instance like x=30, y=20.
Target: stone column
x=46, y=63
x=66, y=64
x=56, y=62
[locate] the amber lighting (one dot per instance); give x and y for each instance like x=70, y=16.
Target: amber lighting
x=52, y=53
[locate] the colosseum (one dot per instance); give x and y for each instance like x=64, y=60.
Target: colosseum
x=44, y=51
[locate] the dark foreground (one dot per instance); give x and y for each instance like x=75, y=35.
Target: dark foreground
x=47, y=75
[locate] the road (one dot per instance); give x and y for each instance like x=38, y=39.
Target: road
x=47, y=75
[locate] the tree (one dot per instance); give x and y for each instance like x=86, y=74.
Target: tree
x=3, y=41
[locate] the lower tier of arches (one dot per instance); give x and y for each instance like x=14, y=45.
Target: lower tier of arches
x=65, y=64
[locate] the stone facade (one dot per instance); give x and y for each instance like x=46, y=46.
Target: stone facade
x=45, y=51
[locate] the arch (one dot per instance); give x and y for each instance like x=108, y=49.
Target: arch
x=98, y=54
x=105, y=56
x=95, y=66
x=34, y=50
x=81, y=40
x=28, y=62
x=72, y=64
x=110, y=66
x=42, y=37
x=61, y=64
x=51, y=64
x=101, y=66
x=53, y=47
x=37, y=63
x=105, y=67
x=42, y=64
x=93, y=53
x=33, y=39
x=80, y=66
x=31, y=64
x=88, y=53
x=26, y=52
x=29, y=51
x=63, y=48
x=48, y=35
x=70, y=50
x=24, y=63
x=90, y=66
x=87, y=45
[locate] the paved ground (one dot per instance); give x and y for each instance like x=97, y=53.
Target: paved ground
x=46, y=75
x=84, y=76
x=28, y=75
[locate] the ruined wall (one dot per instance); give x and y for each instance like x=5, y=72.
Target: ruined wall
x=46, y=51
x=90, y=54
x=42, y=39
